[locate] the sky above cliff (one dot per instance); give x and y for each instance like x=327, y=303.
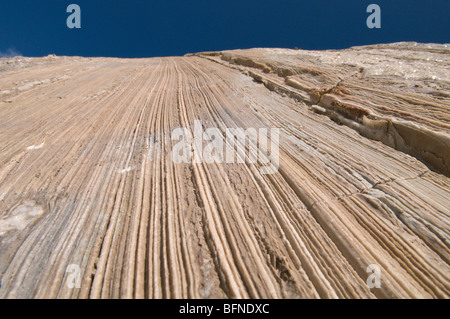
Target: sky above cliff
x=146, y=28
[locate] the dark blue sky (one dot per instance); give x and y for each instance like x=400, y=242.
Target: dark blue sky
x=146, y=28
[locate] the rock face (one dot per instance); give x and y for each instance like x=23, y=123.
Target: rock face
x=93, y=205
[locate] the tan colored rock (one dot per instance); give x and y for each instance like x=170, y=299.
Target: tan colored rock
x=87, y=178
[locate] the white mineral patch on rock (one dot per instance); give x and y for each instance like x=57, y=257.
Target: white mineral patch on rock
x=20, y=217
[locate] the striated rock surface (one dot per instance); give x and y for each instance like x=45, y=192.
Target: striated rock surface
x=89, y=189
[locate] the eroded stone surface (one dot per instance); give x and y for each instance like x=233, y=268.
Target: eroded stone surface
x=87, y=179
